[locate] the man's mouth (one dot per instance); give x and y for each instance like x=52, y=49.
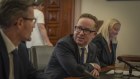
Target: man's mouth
x=80, y=38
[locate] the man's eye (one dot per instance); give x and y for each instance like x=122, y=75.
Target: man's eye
x=87, y=30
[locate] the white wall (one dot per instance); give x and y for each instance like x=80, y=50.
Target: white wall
x=128, y=12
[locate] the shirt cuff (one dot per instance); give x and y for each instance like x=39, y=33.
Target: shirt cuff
x=92, y=64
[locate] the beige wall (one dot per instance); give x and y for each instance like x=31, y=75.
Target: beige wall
x=128, y=12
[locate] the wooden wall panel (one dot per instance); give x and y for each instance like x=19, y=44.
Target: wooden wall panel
x=59, y=16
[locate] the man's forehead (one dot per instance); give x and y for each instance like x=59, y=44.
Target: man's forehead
x=87, y=23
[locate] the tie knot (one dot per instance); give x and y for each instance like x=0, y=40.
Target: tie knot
x=83, y=49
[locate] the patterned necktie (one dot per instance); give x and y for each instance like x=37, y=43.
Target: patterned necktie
x=82, y=55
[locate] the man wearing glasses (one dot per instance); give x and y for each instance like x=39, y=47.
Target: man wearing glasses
x=16, y=24
x=76, y=50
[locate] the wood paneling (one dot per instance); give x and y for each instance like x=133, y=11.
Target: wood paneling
x=59, y=16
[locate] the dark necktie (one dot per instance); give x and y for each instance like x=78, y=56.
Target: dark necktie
x=82, y=55
x=16, y=63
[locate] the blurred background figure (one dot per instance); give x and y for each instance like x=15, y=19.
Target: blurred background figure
x=106, y=41
x=39, y=35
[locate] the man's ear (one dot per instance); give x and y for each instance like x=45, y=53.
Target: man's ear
x=19, y=23
x=94, y=35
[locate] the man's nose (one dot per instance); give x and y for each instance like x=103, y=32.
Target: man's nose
x=81, y=32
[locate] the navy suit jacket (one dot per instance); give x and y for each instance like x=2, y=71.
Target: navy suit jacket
x=65, y=59
x=105, y=57
x=26, y=71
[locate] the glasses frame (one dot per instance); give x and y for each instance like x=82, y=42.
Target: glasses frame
x=31, y=19
x=85, y=31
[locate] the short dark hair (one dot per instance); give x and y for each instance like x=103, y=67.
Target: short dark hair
x=11, y=10
x=90, y=16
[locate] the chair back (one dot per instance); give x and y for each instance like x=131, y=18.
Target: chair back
x=40, y=56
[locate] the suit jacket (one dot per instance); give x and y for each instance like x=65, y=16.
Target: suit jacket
x=25, y=69
x=104, y=55
x=65, y=59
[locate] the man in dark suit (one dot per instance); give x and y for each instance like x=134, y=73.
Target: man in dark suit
x=16, y=24
x=67, y=54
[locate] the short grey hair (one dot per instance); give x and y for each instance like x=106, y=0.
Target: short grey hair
x=11, y=10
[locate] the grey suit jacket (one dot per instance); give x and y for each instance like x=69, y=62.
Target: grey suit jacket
x=66, y=58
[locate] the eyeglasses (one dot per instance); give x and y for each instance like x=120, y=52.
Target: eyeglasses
x=85, y=30
x=32, y=19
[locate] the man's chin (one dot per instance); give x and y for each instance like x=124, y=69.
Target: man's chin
x=80, y=43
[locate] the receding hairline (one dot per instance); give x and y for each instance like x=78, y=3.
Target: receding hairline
x=92, y=18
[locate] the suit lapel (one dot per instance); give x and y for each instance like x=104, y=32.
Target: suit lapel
x=106, y=46
x=107, y=51
x=90, y=54
x=76, y=53
x=4, y=58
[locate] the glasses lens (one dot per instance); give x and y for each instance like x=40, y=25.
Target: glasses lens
x=85, y=30
x=77, y=28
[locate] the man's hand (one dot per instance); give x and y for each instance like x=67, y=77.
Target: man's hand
x=96, y=66
x=95, y=73
x=49, y=44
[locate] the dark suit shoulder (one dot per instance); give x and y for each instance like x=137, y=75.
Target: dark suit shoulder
x=99, y=40
x=22, y=48
x=68, y=41
x=93, y=45
x=66, y=38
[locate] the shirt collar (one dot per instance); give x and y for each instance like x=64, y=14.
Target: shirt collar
x=9, y=45
x=84, y=47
